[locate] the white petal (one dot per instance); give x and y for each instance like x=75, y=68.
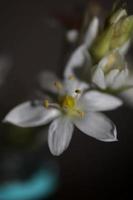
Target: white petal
x=92, y=31
x=99, y=78
x=60, y=134
x=74, y=84
x=78, y=59
x=110, y=78
x=120, y=79
x=98, y=101
x=103, y=62
x=28, y=115
x=98, y=73
x=98, y=126
x=47, y=80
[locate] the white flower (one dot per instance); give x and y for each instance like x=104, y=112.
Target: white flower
x=111, y=72
x=77, y=108
x=81, y=66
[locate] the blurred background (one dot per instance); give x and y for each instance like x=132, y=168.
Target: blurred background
x=33, y=39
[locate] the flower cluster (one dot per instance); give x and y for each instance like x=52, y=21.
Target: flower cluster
x=96, y=79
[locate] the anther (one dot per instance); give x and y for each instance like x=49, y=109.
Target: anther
x=81, y=113
x=72, y=77
x=58, y=85
x=46, y=103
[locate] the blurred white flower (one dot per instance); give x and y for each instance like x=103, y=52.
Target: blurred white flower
x=100, y=59
x=111, y=72
x=72, y=107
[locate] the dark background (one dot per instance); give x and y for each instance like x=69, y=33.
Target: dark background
x=32, y=38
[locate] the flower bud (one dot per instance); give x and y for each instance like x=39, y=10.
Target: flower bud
x=122, y=32
x=111, y=73
x=117, y=15
x=101, y=44
x=116, y=33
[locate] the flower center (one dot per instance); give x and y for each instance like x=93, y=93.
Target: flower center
x=67, y=102
x=69, y=106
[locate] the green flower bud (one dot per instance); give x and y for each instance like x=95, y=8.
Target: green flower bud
x=116, y=16
x=116, y=33
x=102, y=44
x=122, y=32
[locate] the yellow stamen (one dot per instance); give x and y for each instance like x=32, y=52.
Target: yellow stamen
x=82, y=114
x=69, y=106
x=46, y=103
x=58, y=85
x=68, y=102
x=72, y=77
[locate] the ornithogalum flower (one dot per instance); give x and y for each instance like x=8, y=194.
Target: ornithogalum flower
x=72, y=107
x=111, y=73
